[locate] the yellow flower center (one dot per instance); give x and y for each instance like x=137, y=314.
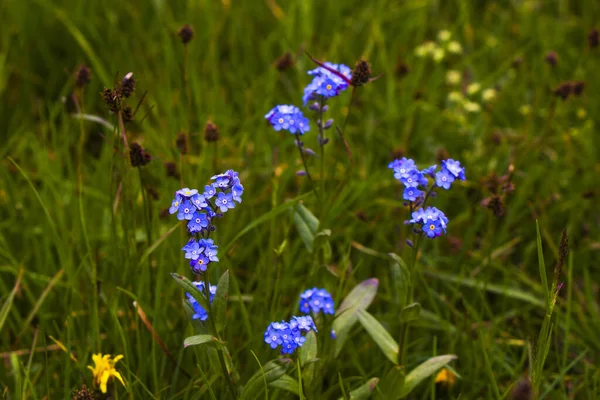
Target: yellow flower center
x=281, y=120
x=328, y=87
x=432, y=227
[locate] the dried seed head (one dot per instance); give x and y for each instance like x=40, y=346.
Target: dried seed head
x=211, y=132
x=83, y=76
x=171, y=170
x=153, y=193
x=517, y=62
x=563, y=253
x=186, y=33
x=361, y=73
x=578, y=87
x=551, y=58
x=284, y=62
x=402, y=69
x=127, y=114
x=127, y=85
x=441, y=154
x=138, y=156
x=563, y=90
x=522, y=390
x=495, y=204
x=181, y=141
x=593, y=38
x=112, y=99
x=398, y=152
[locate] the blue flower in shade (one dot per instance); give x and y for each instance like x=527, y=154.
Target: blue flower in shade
x=175, y=204
x=430, y=171
x=432, y=221
x=222, y=182
x=288, y=335
x=341, y=69
x=209, y=191
x=288, y=118
x=186, y=211
x=186, y=192
x=304, y=323
x=192, y=249
x=199, y=312
x=315, y=300
x=198, y=222
x=210, y=250
x=200, y=264
x=411, y=193
x=444, y=179
x=224, y=202
x=454, y=168
x=433, y=229
x=412, y=179
x=236, y=192
x=273, y=336
x=326, y=83
x=402, y=167
x=199, y=201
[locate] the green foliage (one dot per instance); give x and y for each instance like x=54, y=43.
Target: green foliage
x=83, y=234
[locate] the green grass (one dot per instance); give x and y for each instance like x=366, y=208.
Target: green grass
x=70, y=268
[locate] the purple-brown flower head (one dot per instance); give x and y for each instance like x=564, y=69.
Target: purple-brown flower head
x=185, y=33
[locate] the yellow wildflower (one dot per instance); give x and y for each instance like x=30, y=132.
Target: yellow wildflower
x=446, y=377
x=438, y=54
x=453, y=77
x=525, y=109
x=473, y=88
x=455, y=97
x=454, y=47
x=105, y=368
x=472, y=107
x=444, y=36
x=488, y=95
x=581, y=113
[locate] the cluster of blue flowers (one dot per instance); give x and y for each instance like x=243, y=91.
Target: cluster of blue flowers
x=315, y=300
x=417, y=190
x=288, y=335
x=289, y=118
x=327, y=82
x=200, y=210
x=199, y=311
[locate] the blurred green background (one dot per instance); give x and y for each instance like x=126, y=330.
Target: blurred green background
x=81, y=266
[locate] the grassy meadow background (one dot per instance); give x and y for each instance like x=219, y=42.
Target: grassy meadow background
x=70, y=270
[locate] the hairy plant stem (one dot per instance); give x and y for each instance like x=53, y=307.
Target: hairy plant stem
x=312, y=183
x=404, y=334
x=211, y=319
x=322, y=145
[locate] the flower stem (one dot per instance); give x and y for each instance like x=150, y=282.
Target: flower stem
x=305, y=165
x=211, y=318
x=147, y=213
x=404, y=334
x=322, y=144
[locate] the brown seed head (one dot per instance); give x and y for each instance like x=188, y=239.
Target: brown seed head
x=83, y=394
x=517, y=62
x=551, y=58
x=284, y=62
x=563, y=90
x=127, y=86
x=171, y=170
x=138, y=156
x=402, y=69
x=522, y=390
x=127, y=114
x=578, y=87
x=181, y=141
x=361, y=73
x=211, y=132
x=441, y=154
x=593, y=38
x=112, y=99
x=83, y=76
x=495, y=204
x=186, y=33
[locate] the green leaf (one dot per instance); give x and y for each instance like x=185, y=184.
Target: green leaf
x=288, y=383
x=307, y=225
x=382, y=338
x=219, y=304
x=264, y=218
x=9, y=301
x=321, y=243
x=270, y=372
x=360, y=298
x=400, y=280
x=199, y=339
x=365, y=391
x=541, y=263
x=391, y=385
x=189, y=287
x=308, y=351
x=410, y=313
x=424, y=371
